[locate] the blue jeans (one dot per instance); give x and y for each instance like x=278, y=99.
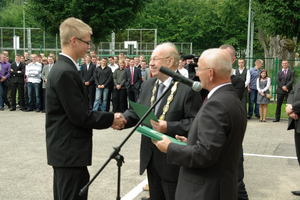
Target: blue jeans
x=253, y=100
x=34, y=88
x=3, y=95
x=99, y=93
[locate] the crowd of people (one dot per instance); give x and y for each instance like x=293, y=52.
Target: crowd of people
x=23, y=81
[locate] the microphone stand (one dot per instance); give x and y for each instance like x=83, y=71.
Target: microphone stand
x=115, y=154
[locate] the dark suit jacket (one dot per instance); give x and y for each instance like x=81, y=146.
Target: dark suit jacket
x=88, y=75
x=281, y=81
x=69, y=122
x=180, y=116
x=137, y=78
x=294, y=99
x=210, y=159
x=14, y=75
x=238, y=85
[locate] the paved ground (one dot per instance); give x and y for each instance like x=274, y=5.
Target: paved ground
x=271, y=170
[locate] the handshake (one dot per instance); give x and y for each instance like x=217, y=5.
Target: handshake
x=119, y=122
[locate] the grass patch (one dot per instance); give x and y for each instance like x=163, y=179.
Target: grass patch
x=272, y=110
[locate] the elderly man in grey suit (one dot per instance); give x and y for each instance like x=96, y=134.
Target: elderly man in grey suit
x=45, y=72
x=209, y=161
x=285, y=80
x=176, y=112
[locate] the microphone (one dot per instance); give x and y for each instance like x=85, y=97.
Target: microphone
x=196, y=85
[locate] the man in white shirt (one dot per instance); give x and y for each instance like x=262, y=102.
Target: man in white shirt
x=244, y=74
x=34, y=72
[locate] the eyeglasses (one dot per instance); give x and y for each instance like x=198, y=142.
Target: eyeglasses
x=88, y=43
x=157, y=58
x=199, y=69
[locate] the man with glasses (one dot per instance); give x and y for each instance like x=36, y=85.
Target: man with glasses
x=69, y=122
x=176, y=112
x=209, y=161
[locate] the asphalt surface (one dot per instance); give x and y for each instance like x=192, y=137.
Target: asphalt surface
x=271, y=168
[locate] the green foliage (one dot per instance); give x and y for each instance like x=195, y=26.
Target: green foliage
x=103, y=16
x=205, y=23
x=277, y=17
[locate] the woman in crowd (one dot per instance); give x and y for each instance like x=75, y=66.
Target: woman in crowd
x=263, y=85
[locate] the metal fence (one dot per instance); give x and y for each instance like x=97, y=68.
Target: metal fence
x=35, y=40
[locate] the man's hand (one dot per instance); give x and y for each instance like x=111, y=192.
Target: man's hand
x=288, y=109
x=293, y=116
x=87, y=83
x=284, y=88
x=3, y=79
x=181, y=138
x=160, y=126
x=118, y=87
x=119, y=122
x=163, y=144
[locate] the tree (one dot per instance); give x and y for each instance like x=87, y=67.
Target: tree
x=205, y=23
x=278, y=26
x=103, y=16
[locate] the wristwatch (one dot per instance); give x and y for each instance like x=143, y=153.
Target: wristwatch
x=291, y=107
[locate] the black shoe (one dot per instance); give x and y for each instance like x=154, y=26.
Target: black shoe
x=38, y=110
x=296, y=192
x=276, y=120
x=258, y=116
x=12, y=109
x=249, y=116
x=28, y=110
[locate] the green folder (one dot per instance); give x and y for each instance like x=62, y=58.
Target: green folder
x=141, y=110
x=156, y=135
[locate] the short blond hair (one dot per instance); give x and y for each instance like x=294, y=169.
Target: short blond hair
x=73, y=27
x=259, y=61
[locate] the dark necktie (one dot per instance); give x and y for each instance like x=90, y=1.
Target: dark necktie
x=160, y=91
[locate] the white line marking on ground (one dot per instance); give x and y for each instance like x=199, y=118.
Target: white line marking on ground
x=269, y=156
x=135, y=191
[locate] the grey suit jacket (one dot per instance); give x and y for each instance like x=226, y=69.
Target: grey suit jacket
x=180, y=116
x=210, y=159
x=69, y=122
x=45, y=73
x=281, y=81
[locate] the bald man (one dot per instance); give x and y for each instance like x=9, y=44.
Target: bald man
x=209, y=161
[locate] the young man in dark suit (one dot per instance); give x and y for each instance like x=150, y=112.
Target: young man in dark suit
x=17, y=71
x=133, y=81
x=285, y=81
x=209, y=161
x=69, y=122
x=176, y=112
x=87, y=73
